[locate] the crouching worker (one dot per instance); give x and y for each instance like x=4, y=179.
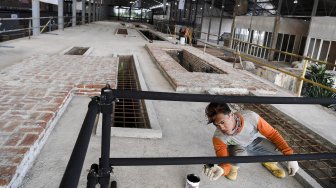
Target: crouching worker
x=241, y=134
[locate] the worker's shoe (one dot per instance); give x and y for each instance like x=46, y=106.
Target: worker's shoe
x=274, y=169
x=233, y=173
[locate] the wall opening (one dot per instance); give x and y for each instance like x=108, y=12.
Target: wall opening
x=151, y=36
x=122, y=32
x=193, y=63
x=77, y=51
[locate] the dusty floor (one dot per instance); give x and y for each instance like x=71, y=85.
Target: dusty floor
x=183, y=124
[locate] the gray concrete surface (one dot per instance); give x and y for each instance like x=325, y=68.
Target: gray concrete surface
x=184, y=135
x=183, y=124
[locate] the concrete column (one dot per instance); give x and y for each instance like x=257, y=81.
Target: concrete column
x=202, y=18
x=74, y=13
x=189, y=17
x=102, y=8
x=220, y=23
x=89, y=11
x=36, y=17
x=94, y=11
x=60, y=15
x=315, y=7
x=83, y=12
x=99, y=10
x=305, y=53
x=275, y=31
x=194, y=21
x=141, y=16
x=208, y=36
x=233, y=26
x=250, y=27
x=118, y=13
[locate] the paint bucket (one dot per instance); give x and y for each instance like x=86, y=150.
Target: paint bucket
x=182, y=40
x=192, y=181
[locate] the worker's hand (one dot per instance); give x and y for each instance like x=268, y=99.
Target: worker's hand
x=213, y=172
x=293, y=167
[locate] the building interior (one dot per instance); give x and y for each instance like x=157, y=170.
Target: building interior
x=59, y=59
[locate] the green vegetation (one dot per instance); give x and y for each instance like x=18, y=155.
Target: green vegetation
x=317, y=73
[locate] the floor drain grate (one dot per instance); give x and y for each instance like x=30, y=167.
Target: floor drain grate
x=130, y=113
x=193, y=63
x=77, y=51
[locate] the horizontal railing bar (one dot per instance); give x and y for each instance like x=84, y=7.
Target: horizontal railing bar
x=219, y=98
x=216, y=160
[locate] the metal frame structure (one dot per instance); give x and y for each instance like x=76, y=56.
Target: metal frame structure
x=100, y=173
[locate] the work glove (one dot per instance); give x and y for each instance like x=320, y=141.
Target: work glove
x=293, y=167
x=213, y=171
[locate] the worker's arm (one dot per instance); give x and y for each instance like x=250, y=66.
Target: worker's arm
x=221, y=151
x=273, y=135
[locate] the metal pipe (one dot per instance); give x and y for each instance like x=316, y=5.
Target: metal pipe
x=288, y=53
x=149, y=95
x=291, y=74
x=75, y=164
x=217, y=160
x=302, y=77
x=106, y=109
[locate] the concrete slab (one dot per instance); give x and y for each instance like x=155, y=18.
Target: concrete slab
x=184, y=132
x=184, y=136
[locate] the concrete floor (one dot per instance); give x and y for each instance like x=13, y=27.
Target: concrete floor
x=183, y=125
x=185, y=134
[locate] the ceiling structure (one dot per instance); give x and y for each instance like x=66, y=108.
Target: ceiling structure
x=291, y=8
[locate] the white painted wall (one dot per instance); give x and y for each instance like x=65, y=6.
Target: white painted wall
x=260, y=23
x=263, y=23
x=293, y=26
x=215, y=22
x=323, y=28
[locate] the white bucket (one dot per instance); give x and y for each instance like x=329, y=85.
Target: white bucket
x=192, y=181
x=182, y=40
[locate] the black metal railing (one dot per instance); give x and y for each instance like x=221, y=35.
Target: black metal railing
x=100, y=173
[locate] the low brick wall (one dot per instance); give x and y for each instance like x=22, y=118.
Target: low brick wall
x=232, y=82
x=33, y=94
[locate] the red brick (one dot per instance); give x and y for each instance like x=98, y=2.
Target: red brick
x=31, y=130
x=11, y=126
x=35, y=115
x=48, y=109
x=18, y=112
x=7, y=170
x=41, y=124
x=28, y=107
x=11, y=151
x=14, y=139
x=79, y=85
x=29, y=140
x=17, y=160
x=4, y=180
x=59, y=101
x=47, y=117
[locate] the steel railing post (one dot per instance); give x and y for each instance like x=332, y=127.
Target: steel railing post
x=73, y=170
x=107, y=99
